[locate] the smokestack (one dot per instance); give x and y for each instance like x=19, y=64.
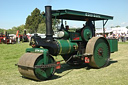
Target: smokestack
x=48, y=15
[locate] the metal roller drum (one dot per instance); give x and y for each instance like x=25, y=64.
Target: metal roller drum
x=27, y=63
x=100, y=50
x=28, y=60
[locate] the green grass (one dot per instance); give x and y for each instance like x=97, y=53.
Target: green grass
x=114, y=74
x=123, y=42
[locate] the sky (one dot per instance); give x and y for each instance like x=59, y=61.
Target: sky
x=14, y=12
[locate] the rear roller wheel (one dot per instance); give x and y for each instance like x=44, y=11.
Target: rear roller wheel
x=30, y=60
x=100, y=50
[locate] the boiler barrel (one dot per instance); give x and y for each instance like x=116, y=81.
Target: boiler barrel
x=67, y=47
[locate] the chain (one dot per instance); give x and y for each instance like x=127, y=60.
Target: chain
x=51, y=64
x=46, y=66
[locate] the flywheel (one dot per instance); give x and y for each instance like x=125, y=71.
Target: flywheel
x=100, y=50
x=27, y=63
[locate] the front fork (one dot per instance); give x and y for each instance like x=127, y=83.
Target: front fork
x=46, y=57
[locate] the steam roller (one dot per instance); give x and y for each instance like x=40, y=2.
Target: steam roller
x=77, y=47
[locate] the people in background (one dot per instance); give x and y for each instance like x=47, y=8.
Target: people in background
x=120, y=36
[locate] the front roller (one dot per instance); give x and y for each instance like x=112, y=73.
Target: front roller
x=29, y=66
x=99, y=49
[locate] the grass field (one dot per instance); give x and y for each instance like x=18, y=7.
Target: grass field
x=114, y=74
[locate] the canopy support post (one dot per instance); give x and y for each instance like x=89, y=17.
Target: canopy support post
x=94, y=27
x=104, y=23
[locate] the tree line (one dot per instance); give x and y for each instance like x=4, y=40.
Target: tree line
x=35, y=23
x=13, y=30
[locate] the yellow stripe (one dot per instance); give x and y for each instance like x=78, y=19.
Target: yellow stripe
x=69, y=46
x=60, y=47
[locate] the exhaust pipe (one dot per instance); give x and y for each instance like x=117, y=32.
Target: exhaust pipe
x=49, y=31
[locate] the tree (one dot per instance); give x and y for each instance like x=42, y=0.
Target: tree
x=14, y=30
x=112, y=26
x=36, y=22
x=21, y=29
x=33, y=21
x=117, y=26
x=42, y=28
x=2, y=30
x=127, y=27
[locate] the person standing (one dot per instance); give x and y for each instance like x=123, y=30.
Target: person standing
x=89, y=23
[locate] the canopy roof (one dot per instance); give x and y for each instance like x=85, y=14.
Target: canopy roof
x=78, y=15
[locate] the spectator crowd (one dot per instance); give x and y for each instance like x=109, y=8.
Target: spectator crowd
x=120, y=36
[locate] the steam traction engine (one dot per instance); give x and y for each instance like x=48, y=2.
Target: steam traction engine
x=76, y=48
x=6, y=39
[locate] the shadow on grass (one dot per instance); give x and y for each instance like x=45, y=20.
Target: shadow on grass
x=112, y=62
x=68, y=68
x=51, y=78
x=64, y=67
